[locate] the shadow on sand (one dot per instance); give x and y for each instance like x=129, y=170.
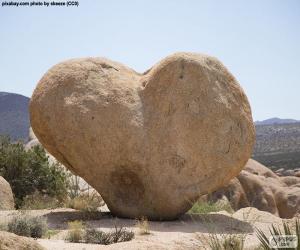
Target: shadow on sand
x=188, y=223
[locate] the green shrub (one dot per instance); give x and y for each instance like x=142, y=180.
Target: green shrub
x=24, y=225
x=28, y=171
x=20, y=226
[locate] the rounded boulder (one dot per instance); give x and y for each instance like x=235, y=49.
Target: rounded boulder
x=149, y=143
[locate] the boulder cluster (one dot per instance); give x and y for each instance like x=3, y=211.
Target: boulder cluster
x=257, y=186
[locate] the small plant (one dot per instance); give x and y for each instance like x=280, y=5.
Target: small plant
x=201, y=207
x=76, y=230
x=143, y=226
x=119, y=234
x=24, y=225
x=276, y=231
x=94, y=236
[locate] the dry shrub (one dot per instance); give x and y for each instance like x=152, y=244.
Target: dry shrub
x=76, y=231
x=86, y=202
x=119, y=234
x=25, y=225
x=40, y=201
x=143, y=226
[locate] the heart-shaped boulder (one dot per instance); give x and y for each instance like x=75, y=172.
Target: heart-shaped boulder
x=149, y=143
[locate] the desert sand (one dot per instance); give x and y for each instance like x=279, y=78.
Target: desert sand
x=188, y=232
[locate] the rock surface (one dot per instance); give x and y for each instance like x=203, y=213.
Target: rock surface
x=10, y=241
x=6, y=195
x=257, y=186
x=149, y=143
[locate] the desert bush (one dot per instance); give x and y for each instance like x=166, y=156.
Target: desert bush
x=119, y=234
x=94, y=236
x=288, y=229
x=25, y=225
x=38, y=200
x=38, y=227
x=201, y=207
x=28, y=171
x=143, y=226
x=76, y=231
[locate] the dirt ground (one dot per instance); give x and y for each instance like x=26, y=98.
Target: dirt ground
x=188, y=232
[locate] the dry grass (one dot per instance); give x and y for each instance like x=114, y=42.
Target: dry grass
x=143, y=226
x=40, y=201
x=76, y=231
x=86, y=202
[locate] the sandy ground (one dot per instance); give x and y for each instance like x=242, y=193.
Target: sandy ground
x=189, y=232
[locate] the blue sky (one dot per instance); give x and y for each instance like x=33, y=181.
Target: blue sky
x=259, y=41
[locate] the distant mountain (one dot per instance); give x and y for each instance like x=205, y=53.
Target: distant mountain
x=14, y=116
x=276, y=120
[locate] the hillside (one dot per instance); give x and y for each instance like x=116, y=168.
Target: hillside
x=278, y=145
x=14, y=115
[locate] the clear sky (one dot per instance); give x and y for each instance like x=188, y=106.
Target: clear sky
x=258, y=40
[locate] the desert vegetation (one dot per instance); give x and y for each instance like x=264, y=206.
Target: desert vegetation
x=143, y=226
x=29, y=172
x=79, y=233
x=25, y=225
x=39, y=184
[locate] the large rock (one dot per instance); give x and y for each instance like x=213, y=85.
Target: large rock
x=257, y=186
x=6, y=195
x=149, y=143
x=10, y=241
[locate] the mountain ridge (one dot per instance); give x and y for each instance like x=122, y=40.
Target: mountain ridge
x=14, y=115
x=276, y=120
